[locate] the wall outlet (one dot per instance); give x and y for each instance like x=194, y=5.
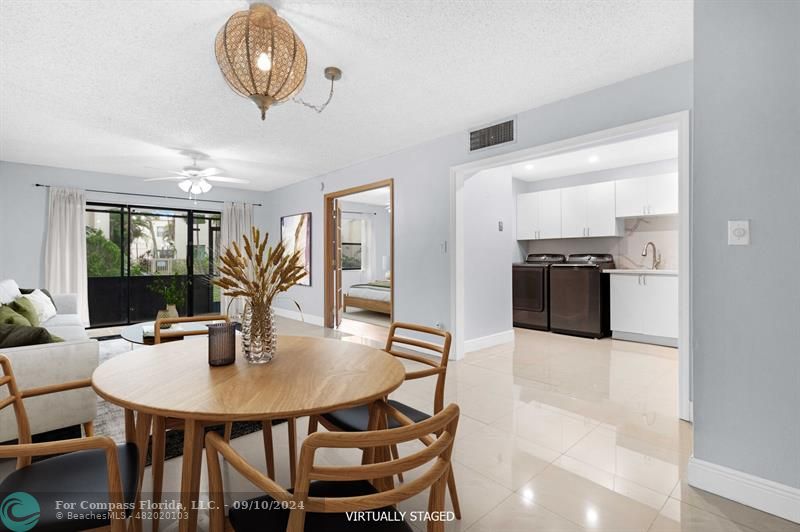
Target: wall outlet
x=738, y=232
x=500, y=226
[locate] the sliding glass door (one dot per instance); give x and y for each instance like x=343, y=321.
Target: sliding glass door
x=134, y=253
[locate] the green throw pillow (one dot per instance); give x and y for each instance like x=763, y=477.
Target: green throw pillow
x=24, y=307
x=9, y=316
x=19, y=335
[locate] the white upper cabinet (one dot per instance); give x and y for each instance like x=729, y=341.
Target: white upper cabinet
x=573, y=212
x=662, y=194
x=631, y=197
x=527, y=216
x=647, y=196
x=588, y=211
x=539, y=215
x=601, y=219
x=549, y=213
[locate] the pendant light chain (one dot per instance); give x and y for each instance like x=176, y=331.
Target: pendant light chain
x=317, y=108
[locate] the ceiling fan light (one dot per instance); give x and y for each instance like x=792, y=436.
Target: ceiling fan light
x=196, y=189
x=204, y=185
x=185, y=185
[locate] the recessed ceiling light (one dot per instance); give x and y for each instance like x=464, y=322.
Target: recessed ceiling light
x=528, y=167
x=593, y=159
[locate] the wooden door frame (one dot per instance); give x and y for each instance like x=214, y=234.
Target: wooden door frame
x=330, y=252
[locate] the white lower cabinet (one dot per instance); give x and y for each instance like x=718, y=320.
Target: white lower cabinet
x=644, y=307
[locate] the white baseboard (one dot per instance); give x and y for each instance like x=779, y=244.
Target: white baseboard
x=762, y=494
x=476, y=344
x=295, y=315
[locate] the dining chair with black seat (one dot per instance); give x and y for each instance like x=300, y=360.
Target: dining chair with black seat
x=356, y=419
x=91, y=470
x=323, y=495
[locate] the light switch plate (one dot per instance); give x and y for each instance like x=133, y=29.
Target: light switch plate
x=738, y=232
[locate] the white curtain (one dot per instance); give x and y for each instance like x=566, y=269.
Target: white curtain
x=237, y=220
x=369, y=253
x=65, y=246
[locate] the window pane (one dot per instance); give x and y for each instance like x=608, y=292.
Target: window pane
x=158, y=243
x=104, y=243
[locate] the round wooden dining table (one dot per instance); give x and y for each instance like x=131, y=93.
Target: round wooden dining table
x=308, y=375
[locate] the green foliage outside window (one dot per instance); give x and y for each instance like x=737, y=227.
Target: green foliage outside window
x=103, y=257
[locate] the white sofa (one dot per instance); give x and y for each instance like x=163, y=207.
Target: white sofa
x=39, y=365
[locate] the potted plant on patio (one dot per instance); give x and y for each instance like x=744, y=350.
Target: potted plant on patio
x=173, y=290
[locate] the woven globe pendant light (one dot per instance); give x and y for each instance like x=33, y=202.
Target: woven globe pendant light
x=261, y=57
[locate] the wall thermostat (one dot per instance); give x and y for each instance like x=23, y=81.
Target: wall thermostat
x=738, y=232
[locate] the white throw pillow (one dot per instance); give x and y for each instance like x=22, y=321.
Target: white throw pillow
x=9, y=291
x=44, y=307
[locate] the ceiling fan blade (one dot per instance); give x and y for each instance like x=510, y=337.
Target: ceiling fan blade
x=208, y=172
x=169, y=178
x=224, y=179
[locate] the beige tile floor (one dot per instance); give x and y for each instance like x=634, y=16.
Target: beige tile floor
x=557, y=434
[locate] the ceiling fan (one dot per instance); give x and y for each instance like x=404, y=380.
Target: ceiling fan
x=195, y=180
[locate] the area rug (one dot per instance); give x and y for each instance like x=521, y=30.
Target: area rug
x=110, y=420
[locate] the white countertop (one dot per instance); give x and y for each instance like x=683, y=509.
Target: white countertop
x=641, y=272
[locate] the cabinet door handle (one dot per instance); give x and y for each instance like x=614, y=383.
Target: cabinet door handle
x=639, y=279
x=588, y=231
x=644, y=280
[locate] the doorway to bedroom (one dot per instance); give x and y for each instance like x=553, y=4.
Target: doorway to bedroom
x=359, y=248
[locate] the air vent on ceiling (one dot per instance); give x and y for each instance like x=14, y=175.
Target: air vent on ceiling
x=491, y=135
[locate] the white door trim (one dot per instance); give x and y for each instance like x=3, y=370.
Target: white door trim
x=460, y=173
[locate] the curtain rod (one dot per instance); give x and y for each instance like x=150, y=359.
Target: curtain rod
x=149, y=195
x=359, y=212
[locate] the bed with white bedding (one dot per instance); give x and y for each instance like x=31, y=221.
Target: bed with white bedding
x=375, y=296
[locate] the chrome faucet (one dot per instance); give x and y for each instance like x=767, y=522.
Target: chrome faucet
x=656, y=256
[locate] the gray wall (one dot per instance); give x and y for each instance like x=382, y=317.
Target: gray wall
x=421, y=174
x=746, y=300
x=23, y=209
x=488, y=199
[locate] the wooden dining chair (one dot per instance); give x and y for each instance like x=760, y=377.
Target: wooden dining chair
x=322, y=494
x=162, y=425
x=355, y=419
x=94, y=470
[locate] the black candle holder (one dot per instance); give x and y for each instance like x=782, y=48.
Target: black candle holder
x=221, y=344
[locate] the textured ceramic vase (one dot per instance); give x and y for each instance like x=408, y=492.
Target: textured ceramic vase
x=259, y=338
x=170, y=312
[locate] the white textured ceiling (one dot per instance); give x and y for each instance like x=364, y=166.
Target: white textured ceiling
x=646, y=149
x=123, y=86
